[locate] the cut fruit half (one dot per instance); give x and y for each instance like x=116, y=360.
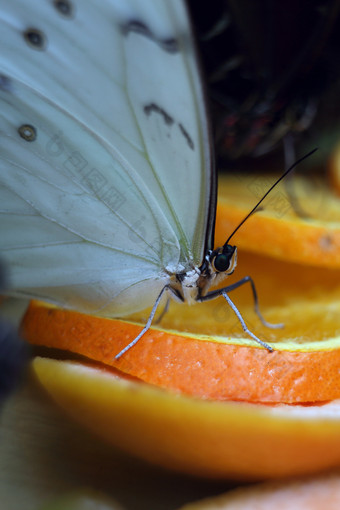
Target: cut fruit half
x=205, y=438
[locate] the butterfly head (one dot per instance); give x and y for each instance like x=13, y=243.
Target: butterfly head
x=223, y=260
x=217, y=265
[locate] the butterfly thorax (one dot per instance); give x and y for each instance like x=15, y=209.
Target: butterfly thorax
x=184, y=286
x=192, y=285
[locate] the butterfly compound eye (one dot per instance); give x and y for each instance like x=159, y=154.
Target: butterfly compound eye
x=226, y=260
x=221, y=262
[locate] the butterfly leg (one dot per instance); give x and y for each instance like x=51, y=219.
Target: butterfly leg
x=223, y=292
x=243, y=324
x=147, y=325
x=163, y=312
x=218, y=292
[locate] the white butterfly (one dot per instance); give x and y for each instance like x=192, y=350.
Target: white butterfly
x=107, y=196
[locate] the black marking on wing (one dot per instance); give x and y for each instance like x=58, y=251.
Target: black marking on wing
x=153, y=107
x=27, y=132
x=169, y=45
x=187, y=136
x=5, y=83
x=35, y=38
x=64, y=7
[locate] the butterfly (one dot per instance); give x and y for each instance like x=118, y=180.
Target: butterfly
x=107, y=182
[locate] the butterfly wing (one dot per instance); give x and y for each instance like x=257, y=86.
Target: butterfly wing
x=105, y=181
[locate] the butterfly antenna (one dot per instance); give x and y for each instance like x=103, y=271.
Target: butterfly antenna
x=267, y=193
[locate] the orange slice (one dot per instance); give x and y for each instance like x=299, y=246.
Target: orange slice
x=210, y=367
x=276, y=230
x=196, y=436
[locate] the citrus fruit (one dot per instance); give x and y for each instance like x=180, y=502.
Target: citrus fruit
x=228, y=367
x=193, y=435
x=277, y=230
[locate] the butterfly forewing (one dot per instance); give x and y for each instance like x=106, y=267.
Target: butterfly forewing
x=105, y=166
